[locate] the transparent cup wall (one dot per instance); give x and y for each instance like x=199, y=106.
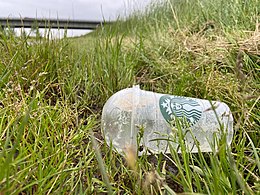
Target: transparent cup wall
x=148, y=120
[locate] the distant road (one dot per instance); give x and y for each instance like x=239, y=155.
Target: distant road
x=50, y=23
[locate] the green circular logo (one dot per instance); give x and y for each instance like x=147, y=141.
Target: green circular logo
x=187, y=110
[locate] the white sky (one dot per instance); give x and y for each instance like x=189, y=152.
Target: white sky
x=71, y=9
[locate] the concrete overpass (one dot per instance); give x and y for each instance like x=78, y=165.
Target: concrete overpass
x=50, y=23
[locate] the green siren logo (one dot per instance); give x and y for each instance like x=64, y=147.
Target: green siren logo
x=185, y=109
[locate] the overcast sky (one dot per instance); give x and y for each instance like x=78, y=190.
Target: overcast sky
x=70, y=9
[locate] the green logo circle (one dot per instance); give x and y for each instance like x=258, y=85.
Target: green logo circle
x=187, y=110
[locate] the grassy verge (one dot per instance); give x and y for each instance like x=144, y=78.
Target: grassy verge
x=52, y=93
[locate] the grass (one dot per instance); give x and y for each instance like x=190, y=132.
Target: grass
x=52, y=93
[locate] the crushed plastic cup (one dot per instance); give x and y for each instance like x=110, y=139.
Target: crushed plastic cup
x=150, y=121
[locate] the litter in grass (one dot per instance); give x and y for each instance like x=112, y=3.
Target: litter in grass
x=156, y=122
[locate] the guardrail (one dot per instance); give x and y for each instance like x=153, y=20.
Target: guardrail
x=49, y=23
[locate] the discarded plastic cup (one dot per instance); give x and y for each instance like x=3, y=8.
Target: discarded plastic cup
x=148, y=120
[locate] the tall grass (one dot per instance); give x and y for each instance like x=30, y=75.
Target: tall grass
x=52, y=92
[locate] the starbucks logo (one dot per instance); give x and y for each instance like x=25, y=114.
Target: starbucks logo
x=185, y=109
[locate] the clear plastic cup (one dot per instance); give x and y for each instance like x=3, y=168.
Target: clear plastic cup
x=150, y=121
